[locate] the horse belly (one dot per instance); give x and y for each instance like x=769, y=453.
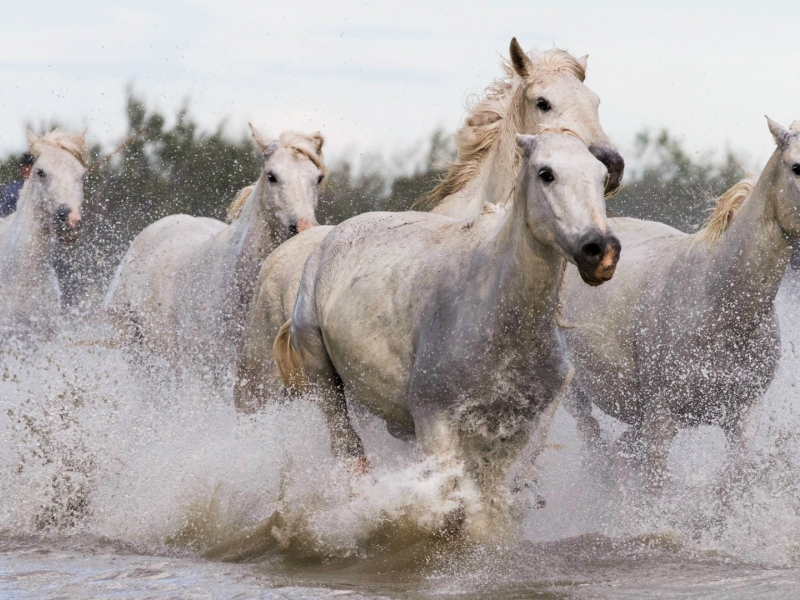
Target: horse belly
x=373, y=360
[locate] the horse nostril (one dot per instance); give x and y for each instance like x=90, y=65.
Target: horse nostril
x=62, y=212
x=293, y=229
x=592, y=251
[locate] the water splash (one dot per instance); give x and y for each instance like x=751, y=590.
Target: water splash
x=95, y=443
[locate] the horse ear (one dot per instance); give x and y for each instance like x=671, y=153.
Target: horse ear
x=526, y=143
x=32, y=138
x=319, y=141
x=262, y=142
x=795, y=127
x=780, y=134
x=582, y=61
x=519, y=59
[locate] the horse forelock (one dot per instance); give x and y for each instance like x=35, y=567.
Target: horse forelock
x=725, y=210
x=307, y=145
x=73, y=143
x=491, y=114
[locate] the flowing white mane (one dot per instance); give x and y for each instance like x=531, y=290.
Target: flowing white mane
x=74, y=143
x=491, y=115
x=725, y=210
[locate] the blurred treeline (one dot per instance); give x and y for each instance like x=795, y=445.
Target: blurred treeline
x=171, y=165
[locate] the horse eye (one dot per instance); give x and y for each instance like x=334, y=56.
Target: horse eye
x=271, y=177
x=543, y=105
x=796, y=168
x=546, y=175
x=41, y=173
x=320, y=178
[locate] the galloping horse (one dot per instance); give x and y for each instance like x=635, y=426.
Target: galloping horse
x=446, y=328
x=537, y=91
x=686, y=334
x=185, y=283
x=48, y=212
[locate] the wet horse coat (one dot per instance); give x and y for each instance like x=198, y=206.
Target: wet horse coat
x=686, y=334
x=185, y=283
x=447, y=328
x=538, y=92
x=48, y=212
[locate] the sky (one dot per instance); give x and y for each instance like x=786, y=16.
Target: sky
x=382, y=75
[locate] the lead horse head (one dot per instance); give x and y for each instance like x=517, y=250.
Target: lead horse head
x=561, y=186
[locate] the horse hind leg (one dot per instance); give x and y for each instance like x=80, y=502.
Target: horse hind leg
x=311, y=371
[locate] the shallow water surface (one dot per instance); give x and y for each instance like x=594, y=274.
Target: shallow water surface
x=117, y=476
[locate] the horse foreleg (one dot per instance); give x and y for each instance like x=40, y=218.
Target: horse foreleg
x=740, y=433
x=656, y=434
x=579, y=405
x=525, y=474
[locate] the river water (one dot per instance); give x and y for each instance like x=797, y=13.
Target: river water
x=117, y=475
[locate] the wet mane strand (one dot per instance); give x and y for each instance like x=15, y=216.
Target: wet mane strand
x=235, y=207
x=493, y=114
x=725, y=210
x=74, y=143
x=308, y=146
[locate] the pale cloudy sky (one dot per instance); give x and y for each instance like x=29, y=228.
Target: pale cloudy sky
x=382, y=75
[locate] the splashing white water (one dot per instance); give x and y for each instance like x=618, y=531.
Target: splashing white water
x=91, y=442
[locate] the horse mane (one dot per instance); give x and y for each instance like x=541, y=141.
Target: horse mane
x=725, y=210
x=74, y=143
x=235, y=207
x=307, y=145
x=488, y=118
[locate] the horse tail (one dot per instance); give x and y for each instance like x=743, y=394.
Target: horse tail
x=290, y=365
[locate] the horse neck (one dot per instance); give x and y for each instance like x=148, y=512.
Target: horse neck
x=495, y=178
x=528, y=274
x=251, y=235
x=28, y=244
x=749, y=260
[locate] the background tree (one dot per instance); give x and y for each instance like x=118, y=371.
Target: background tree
x=171, y=165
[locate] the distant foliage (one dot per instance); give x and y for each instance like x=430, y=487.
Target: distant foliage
x=671, y=187
x=170, y=165
x=349, y=192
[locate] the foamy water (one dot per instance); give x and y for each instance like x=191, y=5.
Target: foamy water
x=117, y=474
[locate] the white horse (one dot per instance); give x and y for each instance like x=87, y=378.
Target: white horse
x=48, y=212
x=538, y=91
x=686, y=334
x=446, y=328
x=185, y=283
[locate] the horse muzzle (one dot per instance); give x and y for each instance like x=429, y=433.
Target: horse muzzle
x=300, y=226
x=613, y=161
x=68, y=223
x=597, y=257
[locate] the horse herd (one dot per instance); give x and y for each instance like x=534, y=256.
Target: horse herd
x=461, y=327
